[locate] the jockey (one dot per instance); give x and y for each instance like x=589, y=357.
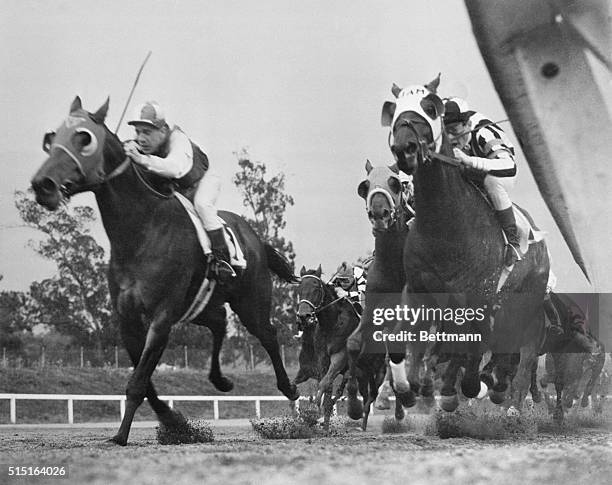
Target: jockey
x=350, y=282
x=168, y=152
x=483, y=146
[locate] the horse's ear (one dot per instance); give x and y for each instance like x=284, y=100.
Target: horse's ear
x=433, y=85
x=319, y=271
x=100, y=115
x=368, y=166
x=433, y=106
x=388, y=110
x=302, y=271
x=395, y=89
x=363, y=188
x=76, y=105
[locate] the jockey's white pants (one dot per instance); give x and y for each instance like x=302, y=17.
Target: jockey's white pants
x=205, y=199
x=497, y=188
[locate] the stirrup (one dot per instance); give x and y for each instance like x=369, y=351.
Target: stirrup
x=223, y=270
x=512, y=255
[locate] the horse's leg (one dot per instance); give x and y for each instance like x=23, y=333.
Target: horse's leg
x=133, y=334
x=255, y=316
x=139, y=382
x=559, y=380
x=449, y=400
x=214, y=319
x=522, y=378
x=470, y=384
x=533, y=388
x=596, y=363
x=365, y=388
x=337, y=363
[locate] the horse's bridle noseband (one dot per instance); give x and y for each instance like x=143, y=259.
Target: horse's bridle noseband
x=318, y=308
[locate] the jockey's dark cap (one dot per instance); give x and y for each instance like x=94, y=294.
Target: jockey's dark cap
x=453, y=112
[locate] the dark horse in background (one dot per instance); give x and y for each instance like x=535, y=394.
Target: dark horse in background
x=456, y=247
x=157, y=264
x=575, y=361
x=325, y=321
x=382, y=192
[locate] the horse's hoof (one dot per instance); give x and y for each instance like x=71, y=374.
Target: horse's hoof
x=382, y=403
x=291, y=392
x=222, y=384
x=471, y=387
x=497, y=397
x=117, y=440
x=536, y=396
x=354, y=409
x=427, y=388
x=487, y=379
x=484, y=389
x=399, y=413
x=449, y=403
x=406, y=399
x=512, y=412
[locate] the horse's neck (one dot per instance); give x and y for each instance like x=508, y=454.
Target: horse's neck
x=445, y=205
x=330, y=313
x=124, y=205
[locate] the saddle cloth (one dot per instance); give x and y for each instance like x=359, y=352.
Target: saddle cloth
x=528, y=235
x=236, y=253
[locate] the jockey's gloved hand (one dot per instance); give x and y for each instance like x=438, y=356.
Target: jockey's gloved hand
x=476, y=163
x=131, y=150
x=341, y=293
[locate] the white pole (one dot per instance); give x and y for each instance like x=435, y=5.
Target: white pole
x=70, y=411
x=216, y=409
x=13, y=410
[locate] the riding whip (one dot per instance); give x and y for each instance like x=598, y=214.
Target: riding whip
x=127, y=103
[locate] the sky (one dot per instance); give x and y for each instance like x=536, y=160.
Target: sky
x=299, y=84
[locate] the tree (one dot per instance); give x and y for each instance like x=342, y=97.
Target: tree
x=76, y=300
x=267, y=201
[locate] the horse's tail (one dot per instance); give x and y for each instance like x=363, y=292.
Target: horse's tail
x=279, y=265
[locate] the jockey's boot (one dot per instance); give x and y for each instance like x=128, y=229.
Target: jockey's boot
x=555, y=328
x=221, y=264
x=508, y=224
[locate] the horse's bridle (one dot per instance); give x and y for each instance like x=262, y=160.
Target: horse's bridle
x=425, y=151
x=318, y=308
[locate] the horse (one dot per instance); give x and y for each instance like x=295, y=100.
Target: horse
x=457, y=247
x=575, y=361
x=388, y=215
x=325, y=321
x=157, y=265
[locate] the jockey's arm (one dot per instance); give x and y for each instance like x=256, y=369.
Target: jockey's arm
x=499, y=159
x=179, y=160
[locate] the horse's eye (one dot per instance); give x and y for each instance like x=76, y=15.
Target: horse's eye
x=48, y=141
x=90, y=142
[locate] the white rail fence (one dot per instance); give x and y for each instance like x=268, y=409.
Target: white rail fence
x=70, y=398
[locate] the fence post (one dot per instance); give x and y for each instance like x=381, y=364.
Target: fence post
x=4, y=357
x=186, y=358
x=252, y=357
x=171, y=403
x=13, y=410
x=116, y=357
x=122, y=407
x=216, y=409
x=82, y=358
x=258, y=408
x=70, y=411
x=283, y=355
x=42, y=356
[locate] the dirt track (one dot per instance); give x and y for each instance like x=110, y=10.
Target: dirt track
x=239, y=457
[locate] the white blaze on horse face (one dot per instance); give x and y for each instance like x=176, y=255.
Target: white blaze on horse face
x=409, y=100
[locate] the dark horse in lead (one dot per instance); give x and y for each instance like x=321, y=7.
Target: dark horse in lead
x=456, y=247
x=157, y=264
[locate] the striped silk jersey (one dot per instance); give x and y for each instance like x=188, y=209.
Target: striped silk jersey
x=489, y=142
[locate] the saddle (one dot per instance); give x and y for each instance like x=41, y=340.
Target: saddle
x=527, y=233
x=236, y=252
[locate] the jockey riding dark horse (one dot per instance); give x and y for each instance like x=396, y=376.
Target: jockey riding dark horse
x=158, y=272
x=456, y=246
x=169, y=153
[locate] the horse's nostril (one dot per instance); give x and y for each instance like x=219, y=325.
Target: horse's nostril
x=45, y=185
